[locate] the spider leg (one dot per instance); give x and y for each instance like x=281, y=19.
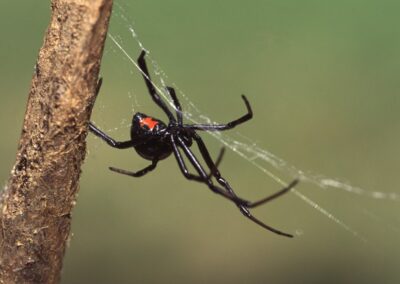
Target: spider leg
x=96, y=131
x=156, y=97
x=194, y=177
x=229, y=125
x=246, y=213
x=215, y=172
x=274, y=196
x=182, y=164
x=110, y=141
x=202, y=174
x=220, y=157
x=232, y=196
x=217, y=161
x=177, y=104
x=242, y=207
x=140, y=173
x=98, y=86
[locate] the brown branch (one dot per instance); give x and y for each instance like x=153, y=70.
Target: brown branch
x=35, y=216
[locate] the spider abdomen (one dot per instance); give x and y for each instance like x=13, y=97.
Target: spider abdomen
x=154, y=149
x=149, y=130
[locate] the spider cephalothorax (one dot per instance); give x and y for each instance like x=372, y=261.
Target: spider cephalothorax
x=154, y=140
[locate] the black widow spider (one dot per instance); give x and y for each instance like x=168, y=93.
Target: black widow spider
x=154, y=140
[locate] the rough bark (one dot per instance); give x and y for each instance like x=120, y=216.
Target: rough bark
x=35, y=216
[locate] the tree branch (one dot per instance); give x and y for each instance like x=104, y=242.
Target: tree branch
x=35, y=216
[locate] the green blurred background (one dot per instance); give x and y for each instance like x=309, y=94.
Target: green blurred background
x=323, y=79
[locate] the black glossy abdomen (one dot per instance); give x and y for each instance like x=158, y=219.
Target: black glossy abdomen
x=154, y=149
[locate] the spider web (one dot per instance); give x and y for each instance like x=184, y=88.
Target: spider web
x=243, y=146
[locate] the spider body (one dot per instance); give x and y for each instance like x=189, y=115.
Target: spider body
x=154, y=140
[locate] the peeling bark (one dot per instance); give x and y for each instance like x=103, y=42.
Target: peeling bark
x=35, y=216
